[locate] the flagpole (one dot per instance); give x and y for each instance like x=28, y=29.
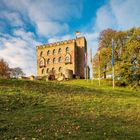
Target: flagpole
x=113, y=72
x=92, y=72
x=91, y=61
x=86, y=65
x=85, y=72
x=99, y=72
x=99, y=76
x=113, y=76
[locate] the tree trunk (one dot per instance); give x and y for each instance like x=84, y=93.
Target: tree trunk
x=105, y=72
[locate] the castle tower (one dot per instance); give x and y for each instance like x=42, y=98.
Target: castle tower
x=81, y=46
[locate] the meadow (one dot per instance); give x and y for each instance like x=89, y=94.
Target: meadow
x=76, y=109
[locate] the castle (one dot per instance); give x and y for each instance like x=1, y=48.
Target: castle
x=63, y=57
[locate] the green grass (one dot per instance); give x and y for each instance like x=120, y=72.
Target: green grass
x=76, y=109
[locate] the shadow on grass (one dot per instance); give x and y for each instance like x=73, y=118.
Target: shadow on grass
x=43, y=87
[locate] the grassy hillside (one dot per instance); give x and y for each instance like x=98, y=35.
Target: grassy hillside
x=70, y=110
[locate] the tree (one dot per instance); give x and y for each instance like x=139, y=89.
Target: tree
x=105, y=39
x=4, y=68
x=130, y=65
x=127, y=55
x=16, y=72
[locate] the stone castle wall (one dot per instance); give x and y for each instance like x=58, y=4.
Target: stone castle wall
x=72, y=57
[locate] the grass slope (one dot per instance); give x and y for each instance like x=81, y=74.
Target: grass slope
x=70, y=110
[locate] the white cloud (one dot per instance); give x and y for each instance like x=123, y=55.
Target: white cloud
x=48, y=16
x=126, y=12
x=46, y=28
x=118, y=14
x=12, y=18
x=19, y=50
x=104, y=18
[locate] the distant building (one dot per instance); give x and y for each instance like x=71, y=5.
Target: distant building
x=61, y=57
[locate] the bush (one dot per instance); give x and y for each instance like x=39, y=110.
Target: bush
x=121, y=83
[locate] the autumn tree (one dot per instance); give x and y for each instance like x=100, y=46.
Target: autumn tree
x=126, y=51
x=4, y=69
x=105, y=39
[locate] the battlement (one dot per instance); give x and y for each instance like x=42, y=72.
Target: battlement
x=55, y=44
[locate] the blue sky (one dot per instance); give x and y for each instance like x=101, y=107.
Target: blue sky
x=27, y=23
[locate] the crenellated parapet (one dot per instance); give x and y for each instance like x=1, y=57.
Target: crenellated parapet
x=56, y=44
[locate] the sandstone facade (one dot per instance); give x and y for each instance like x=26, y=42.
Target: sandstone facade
x=61, y=56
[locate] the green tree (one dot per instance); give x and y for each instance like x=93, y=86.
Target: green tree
x=130, y=64
x=127, y=55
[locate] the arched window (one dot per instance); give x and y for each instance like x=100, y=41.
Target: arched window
x=60, y=69
x=41, y=53
x=67, y=58
x=60, y=50
x=67, y=49
x=54, y=51
x=48, y=61
x=42, y=71
x=60, y=59
x=47, y=71
x=48, y=52
x=42, y=62
x=54, y=60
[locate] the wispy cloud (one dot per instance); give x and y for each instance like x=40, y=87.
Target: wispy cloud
x=126, y=12
x=49, y=17
x=118, y=14
x=104, y=18
x=50, y=28
x=19, y=50
x=12, y=18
